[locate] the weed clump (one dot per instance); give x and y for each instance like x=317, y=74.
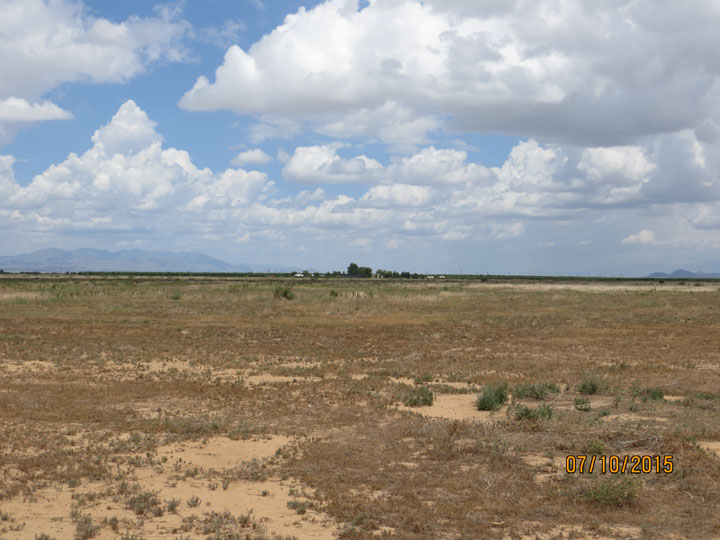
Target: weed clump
x=172, y=505
x=145, y=503
x=612, y=492
x=589, y=385
x=652, y=394
x=84, y=527
x=284, y=291
x=582, y=404
x=419, y=397
x=594, y=447
x=492, y=397
x=526, y=413
x=535, y=390
x=299, y=506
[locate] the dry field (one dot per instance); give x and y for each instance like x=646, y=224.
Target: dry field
x=212, y=408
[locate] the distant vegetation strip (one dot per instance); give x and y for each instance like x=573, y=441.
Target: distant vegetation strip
x=375, y=277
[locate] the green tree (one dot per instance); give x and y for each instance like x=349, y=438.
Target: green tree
x=353, y=269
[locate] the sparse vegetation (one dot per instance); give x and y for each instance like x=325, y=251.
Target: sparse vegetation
x=284, y=291
x=590, y=384
x=84, y=527
x=145, y=504
x=420, y=396
x=615, y=491
x=229, y=387
x=522, y=412
x=652, y=394
x=582, y=404
x=173, y=505
x=493, y=397
x=300, y=507
x=534, y=390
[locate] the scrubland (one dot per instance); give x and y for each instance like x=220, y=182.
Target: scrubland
x=218, y=408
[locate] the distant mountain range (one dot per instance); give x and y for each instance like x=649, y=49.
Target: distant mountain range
x=687, y=274
x=99, y=260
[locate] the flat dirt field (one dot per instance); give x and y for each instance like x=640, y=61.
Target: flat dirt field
x=196, y=408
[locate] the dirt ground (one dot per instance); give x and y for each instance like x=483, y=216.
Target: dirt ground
x=139, y=408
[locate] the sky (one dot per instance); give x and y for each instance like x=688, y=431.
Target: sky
x=504, y=136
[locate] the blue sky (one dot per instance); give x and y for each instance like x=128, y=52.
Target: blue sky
x=554, y=137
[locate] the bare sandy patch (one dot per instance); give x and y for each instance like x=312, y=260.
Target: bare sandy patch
x=19, y=295
x=528, y=531
x=545, y=468
x=595, y=287
x=221, y=452
x=31, y=366
x=457, y=407
x=710, y=446
x=267, y=378
x=271, y=505
x=403, y=380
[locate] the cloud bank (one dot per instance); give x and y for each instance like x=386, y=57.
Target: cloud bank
x=46, y=44
x=128, y=188
x=568, y=71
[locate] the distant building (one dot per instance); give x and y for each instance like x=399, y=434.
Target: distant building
x=299, y=275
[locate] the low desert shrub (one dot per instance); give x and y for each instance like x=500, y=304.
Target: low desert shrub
x=418, y=397
x=614, y=491
x=526, y=413
x=590, y=384
x=84, y=527
x=493, y=397
x=535, y=390
x=284, y=291
x=652, y=394
x=582, y=404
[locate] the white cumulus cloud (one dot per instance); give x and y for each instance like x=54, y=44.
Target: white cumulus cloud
x=642, y=237
x=45, y=44
x=567, y=71
x=254, y=156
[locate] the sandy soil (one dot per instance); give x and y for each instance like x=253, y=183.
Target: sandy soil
x=267, y=501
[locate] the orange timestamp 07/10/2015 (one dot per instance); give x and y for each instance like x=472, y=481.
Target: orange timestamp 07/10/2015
x=614, y=464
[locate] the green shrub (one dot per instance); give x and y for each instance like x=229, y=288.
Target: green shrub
x=84, y=527
x=419, y=396
x=612, y=491
x=284, y=291
x=594, y=447
x=145, y=503
x=298, y=506
x=493, y=397
x=193, y=501
x=535, y=390
x=654, y=394
x=582, y=404
x=525, y=413
x=589, y=385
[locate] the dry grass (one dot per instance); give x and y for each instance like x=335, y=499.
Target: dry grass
x=100, y=377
